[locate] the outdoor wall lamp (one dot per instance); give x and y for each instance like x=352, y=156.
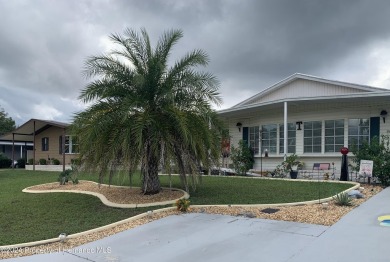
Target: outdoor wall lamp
x=383, y=115
x=299, y=123
x=239, y=125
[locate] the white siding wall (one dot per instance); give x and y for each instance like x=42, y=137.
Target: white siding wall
x=307, y=87
x=385, y=127
x=317, y=112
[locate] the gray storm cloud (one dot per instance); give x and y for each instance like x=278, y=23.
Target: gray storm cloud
x=251, y=44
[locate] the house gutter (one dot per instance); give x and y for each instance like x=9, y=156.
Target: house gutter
x=301, y=99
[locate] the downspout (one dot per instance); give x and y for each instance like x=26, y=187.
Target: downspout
x=13, y=150
x=63, y=151
x=285, y=131
x=34, y=147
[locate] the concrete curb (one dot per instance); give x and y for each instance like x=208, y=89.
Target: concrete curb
x=104, y=200
x=53, y=240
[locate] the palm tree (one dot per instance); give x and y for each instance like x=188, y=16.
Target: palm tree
x=144, y=113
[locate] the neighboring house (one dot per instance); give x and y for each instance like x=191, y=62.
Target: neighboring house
x=50, y=139
x=311, y=116
x=21, y=149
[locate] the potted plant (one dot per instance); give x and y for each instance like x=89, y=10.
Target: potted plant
x=292, y=164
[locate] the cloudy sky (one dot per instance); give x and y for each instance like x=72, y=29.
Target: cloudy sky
x=251, y=44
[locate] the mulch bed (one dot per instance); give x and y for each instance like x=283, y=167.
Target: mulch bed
x=120, y=195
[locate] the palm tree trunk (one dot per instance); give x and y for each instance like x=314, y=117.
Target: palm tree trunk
x=150, y=180
x=151, y=183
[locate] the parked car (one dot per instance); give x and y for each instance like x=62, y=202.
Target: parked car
x=15, y=164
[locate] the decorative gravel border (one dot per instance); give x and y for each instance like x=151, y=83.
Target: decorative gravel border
x=104, y=200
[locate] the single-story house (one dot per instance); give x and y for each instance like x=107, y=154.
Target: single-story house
x=310, y=116
x=49, y=139
x=21, y=149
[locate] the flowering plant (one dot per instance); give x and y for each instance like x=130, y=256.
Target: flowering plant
x=280, y=171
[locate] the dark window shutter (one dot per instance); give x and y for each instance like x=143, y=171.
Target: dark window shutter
x=60, y=145
x=374, y=127
x=245, y=133
x=45, y=143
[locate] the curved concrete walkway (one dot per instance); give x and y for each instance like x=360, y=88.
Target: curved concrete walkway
x=204, y=237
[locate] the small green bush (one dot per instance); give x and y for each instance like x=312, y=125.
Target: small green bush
x=5, y=162
x=63, y=178
x=55, y=161
x=42, y=161
x=343, y=199
x=242, y=158
x=21, y=163
x=378, y=150
x=183, y=205
x=67, y=175
x=30, y=161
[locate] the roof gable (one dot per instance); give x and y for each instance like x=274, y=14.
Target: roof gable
x=25, y=131
x=304, y=86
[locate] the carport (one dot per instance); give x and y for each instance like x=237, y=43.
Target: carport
x=26, y=133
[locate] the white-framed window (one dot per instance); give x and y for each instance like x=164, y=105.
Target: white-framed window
x=254, y=138
x=71, y=145
x=269, y=138
x=334, y=135
x=358, y=131
x=45, y=144
x=312, y=132
x=291, y=138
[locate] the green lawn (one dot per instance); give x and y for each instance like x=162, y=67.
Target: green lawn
x=29, y=217
x=239, y=190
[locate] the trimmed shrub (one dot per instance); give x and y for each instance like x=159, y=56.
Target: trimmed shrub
x=42, y=161
x=5, y=162
x=21, y=163
x=55, y=161
x=30, y=161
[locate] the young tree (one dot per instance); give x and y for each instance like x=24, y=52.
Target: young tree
x=242, y=158
x=7, y=124
x=146, y=113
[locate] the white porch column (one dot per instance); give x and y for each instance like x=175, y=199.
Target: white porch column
x=285, y=131
x=34, y=143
